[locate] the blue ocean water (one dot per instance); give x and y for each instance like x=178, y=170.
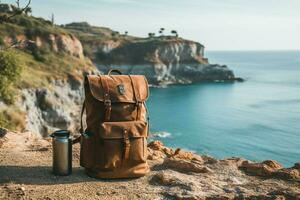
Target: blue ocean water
x=258, y=119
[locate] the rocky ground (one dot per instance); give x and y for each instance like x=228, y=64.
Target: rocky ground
x=25, y=173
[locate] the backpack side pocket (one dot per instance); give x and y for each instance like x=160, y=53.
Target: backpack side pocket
x=87, y=150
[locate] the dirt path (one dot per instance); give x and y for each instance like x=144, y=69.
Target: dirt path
x=25, y=173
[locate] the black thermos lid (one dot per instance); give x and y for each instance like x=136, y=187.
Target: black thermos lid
x=61, y=133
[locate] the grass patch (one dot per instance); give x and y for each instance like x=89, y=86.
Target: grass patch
x=55, y=66
x=13, y=119
x=10, y=72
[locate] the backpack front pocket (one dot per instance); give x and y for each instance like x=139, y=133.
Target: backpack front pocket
x=124, y=143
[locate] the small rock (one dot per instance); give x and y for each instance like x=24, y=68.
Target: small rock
x=3, y=132
x=264, y=169
x=156, y=145
x=98, y=194
x=156, y=150
x=43, y=149
x=238, y=79
x=297, y=166
x=273, y=164
x=287, y=174
x=185, y=166
x=209, y=160
x=228, y=190
x=180, y=154
x=154, y=155
x=270, y=168
x=233, y=161
x=286, y=193
x=166, y=179
x=187, y=195
x=219, y=197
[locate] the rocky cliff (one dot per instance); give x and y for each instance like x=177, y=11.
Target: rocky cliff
x=163, y=60
x=50, y=109
x=59, y=43
x=49, y=88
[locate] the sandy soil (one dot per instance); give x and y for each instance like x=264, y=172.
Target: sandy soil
x=25, y=173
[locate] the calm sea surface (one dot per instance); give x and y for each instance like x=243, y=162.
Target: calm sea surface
x=258, y=119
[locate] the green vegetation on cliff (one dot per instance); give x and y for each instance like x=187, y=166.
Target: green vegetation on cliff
x=10, y=72
x=12, y=118
x=30, y=59
x=40, y=64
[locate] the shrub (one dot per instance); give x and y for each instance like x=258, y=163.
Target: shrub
x=38, y=55
x=12, y=119
x=10, y=71
x=1, y=41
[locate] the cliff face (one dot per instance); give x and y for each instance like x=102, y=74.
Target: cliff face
x=146, y=51
x=49, y=86
x=50, y=109
x=162, y=61
x=61, y=43
x=66, y=43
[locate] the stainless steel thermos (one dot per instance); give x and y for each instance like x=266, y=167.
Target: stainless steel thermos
x=62, y=152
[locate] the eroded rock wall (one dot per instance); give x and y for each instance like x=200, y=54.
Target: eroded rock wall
x=49, y=109
x=63, y=43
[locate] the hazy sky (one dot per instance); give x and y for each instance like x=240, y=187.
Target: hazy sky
x=218, y=24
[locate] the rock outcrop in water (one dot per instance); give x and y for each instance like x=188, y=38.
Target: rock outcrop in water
x=25, y=173
x=164, y=60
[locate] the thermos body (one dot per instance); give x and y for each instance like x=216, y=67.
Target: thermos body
x=62, y=153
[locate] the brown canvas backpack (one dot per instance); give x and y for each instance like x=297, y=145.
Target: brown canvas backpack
x=114, y=144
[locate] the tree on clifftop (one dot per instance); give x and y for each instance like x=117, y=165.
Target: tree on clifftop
x=161, y=31
x=52, y=19
x=8, y=12
x=151, y=35
x=115, y=33
x=16, y=10
x=174, y=33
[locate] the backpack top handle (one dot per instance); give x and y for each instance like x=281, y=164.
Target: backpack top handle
x=114, y=70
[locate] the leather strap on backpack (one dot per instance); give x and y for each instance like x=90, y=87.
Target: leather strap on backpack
x=81, y=130
x=138, y=102
x=114, y=70
x=106, y=97
x=126, y=145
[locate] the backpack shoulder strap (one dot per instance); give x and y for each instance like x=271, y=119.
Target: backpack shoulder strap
x=81, y=130
x=106, y=97
x=138, y=102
